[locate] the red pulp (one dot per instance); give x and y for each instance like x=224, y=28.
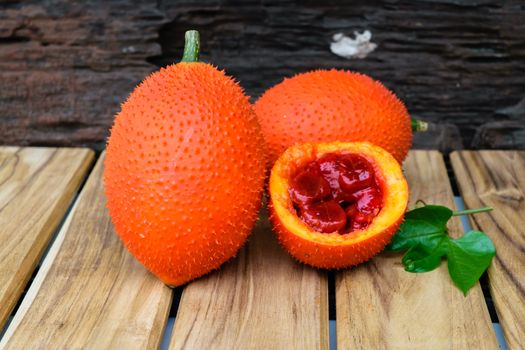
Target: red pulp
x=337, y=193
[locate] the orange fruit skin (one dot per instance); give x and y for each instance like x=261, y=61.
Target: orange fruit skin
x=333, y=105
x=333, y=250
x=184, y=171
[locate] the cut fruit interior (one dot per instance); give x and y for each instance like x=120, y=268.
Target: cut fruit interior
x=327, y=196
x=339, y=192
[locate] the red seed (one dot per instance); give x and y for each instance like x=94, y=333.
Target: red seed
x=309, y=186
x=331, y=169
x=369, y=200
x=358, y=173
x=324, y=216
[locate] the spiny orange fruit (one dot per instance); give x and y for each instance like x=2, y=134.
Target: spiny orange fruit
x=337, y=204
x=184, y=169
x=333, y=105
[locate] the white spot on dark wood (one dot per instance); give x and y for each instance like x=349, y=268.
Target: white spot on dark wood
x=347, y=47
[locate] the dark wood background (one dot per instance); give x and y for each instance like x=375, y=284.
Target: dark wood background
x=65, y=67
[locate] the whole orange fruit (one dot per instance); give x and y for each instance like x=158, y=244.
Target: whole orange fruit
x=184, y=169
x=333, y=105
x=336, y=204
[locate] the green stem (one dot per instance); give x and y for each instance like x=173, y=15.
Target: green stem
x=471, y=211
x=418, y=125
x=191, y=46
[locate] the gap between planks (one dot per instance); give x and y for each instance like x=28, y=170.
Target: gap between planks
x=263, y=299
x=89, y=292
x=259, y=318
x=497, y=179
x=381, y=306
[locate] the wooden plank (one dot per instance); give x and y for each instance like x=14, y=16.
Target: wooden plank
x=90, y=292
x=261, y=300
x=497, y=179
x=36, y=188
x=381, y=306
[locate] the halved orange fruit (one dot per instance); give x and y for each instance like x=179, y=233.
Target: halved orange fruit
x=336, y=204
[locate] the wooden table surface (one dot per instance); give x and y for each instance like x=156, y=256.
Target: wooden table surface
x=89, y=292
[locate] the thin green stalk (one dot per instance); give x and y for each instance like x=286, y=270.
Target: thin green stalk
x=471, y=211
x=191, y=46
x=418, y=125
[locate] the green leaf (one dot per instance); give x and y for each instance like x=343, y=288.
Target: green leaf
x=468, y=257
x=436, y=214
x=424, y=236
x=419, y=259
x=425, y=226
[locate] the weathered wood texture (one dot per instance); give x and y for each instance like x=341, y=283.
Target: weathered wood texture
x=451, y=61
x=36, y=188
x=261, y=300
x=90, y=292
x=64, y=67
x=497, y=179
x=381, y=306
